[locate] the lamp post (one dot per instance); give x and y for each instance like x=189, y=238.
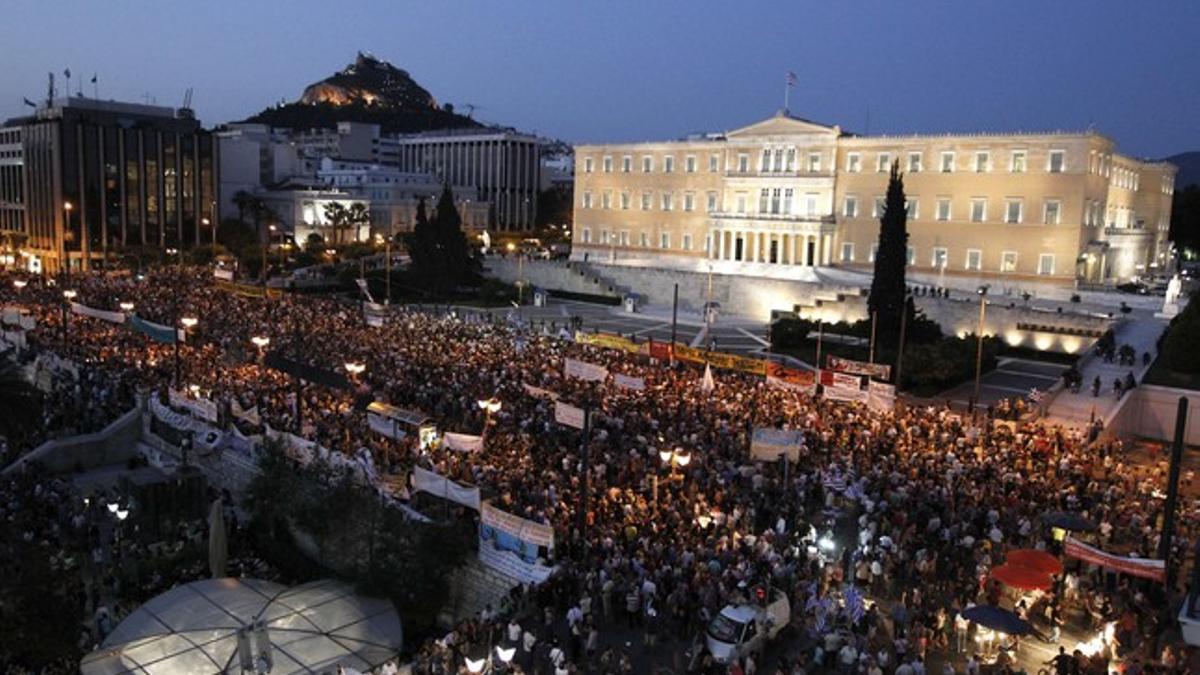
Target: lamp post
x=67, y=208
x=188, y=323
x=68, y=297
x=126, y=307
x=267, y=245
x=488, y=406
x=982, y=291
x=19, y=284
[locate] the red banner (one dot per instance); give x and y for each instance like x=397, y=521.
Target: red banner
x=1146, y=568
x=779, y=375
x=660, y=350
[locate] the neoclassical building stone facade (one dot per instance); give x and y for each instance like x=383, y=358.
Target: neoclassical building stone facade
x=787, y=193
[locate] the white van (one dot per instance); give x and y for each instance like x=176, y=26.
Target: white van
x=739, y=629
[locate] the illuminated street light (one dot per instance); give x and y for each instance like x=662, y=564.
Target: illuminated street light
x=122, y=514
x=188, y=322
x=491, y=405
x=113, y=506
x=69, y=294
x=355, y=368
x=506, y=655
x=474, y=666
x=260, y=341
x=126, y=307
x=19, y=283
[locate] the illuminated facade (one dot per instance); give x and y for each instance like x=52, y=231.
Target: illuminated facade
x=785, y=192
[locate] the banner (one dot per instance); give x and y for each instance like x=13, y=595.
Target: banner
x=382, y=424
x=201, y=408
x=769, y=444
x=833, y=379
x=881, y=396
x=84, y=310
x=568, y=415
x=155, y=331
x=11, y=315
x=283, y=364
x=249, y=290
x=609, y=341
x=840, y=393
x=538, y=534
x=366, y=291
x=424, y=480
x=505, y=556
x=27, y=322
x=538, y=392
x=660, y=350
x=795, y=379
x=223, y=274
x=721, y=360
x=462, y=442
x=249, y=416
x=584, y=371
x=175, y=420
x=374, y=314
x=15, y=338
x=1146, y=568
x=629, y=382
x=877, y=370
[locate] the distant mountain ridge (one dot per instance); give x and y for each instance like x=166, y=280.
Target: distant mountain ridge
x=1189, y=168
x=369, y=90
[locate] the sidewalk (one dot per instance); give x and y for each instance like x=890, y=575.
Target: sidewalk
x=1141, y=331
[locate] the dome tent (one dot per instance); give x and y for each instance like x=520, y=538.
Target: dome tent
x=193, y=628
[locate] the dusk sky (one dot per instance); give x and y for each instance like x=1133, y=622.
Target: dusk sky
x=614, y=71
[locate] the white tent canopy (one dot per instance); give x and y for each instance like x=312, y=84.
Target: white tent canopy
x=313, y=628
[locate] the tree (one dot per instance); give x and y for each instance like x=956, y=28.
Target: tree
x=336, y=217
x=1185, y=219
x=357, y=216
x=887, y=299
x=245, y=203
x=461, y=264
x=421, y=246
x=555, y=214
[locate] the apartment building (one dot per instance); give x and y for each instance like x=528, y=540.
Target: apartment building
x=1060, y=207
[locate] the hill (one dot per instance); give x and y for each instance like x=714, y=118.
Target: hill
x=368, y=90
x=1189, y=168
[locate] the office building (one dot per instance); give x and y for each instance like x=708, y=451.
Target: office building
x=1057, y=207
x=83, y=178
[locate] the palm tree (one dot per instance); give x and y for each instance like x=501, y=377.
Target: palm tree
x=356, y=216
x=20, y=403
x=336, y=216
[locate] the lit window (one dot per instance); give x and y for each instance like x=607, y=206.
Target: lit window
x=853, y=162
x=914, y=162
x=939, y=258
x=911, y=258
x=1012, y=211
x=1046, y=264
x=1017, y=163
x=850, y=207
x=947, y=165
x=1008, y=261
x=874, y=250
x=943, y=209
x=974, y=259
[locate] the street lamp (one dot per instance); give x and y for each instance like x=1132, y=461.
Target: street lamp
x=19, y=283
x=187, y=322
x=260, y=341
x=355, y=369
x=489, y=406
x=126, y=307
x=67, y=208
x=982, y=291
x=68, y=296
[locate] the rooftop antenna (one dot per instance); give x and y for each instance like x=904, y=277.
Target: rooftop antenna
x=50, y=92
x=185, y=111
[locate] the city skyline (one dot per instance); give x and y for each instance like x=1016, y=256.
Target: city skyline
x=630, y=72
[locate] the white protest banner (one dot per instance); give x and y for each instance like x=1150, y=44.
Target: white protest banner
x=881, y=396
x=569, y=415
x=539, y=534
x=424, y=480
x=462, y=442
x=382, y=424
x=584, y=370
x=538, y=392
x=103, y=315
x=629, y=382
x=247, y=415
x=840, y=393
x=511, y=563
x=223, y=274
x=769, y=444
x=201, y=408
x=11, y=315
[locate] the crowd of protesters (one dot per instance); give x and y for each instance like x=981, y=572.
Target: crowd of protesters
x=911, y=508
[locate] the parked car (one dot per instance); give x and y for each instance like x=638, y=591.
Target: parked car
x=744, y=628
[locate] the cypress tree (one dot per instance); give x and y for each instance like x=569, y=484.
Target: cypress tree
x=460, y=265
x=886, y=301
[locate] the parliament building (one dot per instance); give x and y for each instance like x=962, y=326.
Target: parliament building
x=785, y=192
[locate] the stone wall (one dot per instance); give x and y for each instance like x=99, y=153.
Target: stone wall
x=1149, y=412
x=116, y=444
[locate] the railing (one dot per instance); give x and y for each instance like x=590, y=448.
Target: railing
x=777, y=217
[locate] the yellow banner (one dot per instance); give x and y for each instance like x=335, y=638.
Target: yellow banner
x=610, y=341
x=248, y=290
x=721, y=360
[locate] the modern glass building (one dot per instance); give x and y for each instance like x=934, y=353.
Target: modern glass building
x=97, y=179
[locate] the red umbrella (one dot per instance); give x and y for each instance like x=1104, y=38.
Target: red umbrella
x=1035, y=560
x=1022, y=578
